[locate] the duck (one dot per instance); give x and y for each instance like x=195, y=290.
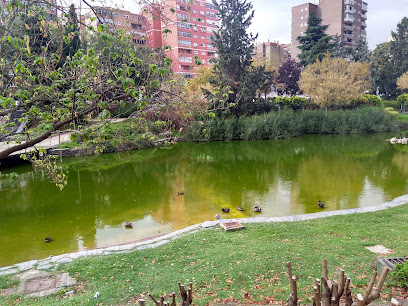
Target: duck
x=320, y=204
x=257, y=209
x=239, y=208
x=48, y=239
x=128, y=224
x=180, y=193
x=225, y=210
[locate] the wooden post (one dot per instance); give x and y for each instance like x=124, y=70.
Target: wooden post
x=190, y=294
x=142, y=302
x=372, y=293
x=173, y=302
x=154, y=300
x=347, y=291
x=293, y=298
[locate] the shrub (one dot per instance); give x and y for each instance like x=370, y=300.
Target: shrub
x=287, y=123
x=399, y=276
x=290, y=102
x=402, y=100
x=394, y=104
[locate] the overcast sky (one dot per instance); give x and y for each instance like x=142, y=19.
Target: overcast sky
x=273, y=18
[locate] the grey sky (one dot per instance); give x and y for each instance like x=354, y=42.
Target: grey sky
x=273, y=19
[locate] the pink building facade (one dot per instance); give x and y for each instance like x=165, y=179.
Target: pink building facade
x=186, y=27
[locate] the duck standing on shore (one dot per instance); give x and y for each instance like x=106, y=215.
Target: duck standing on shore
x=128, y=224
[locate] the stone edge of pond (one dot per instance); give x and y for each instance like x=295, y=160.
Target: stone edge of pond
x=52, y=262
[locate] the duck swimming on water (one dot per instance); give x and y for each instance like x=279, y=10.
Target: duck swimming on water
x=257, y=209
x=225, y=210
x=48, y=239
x=320, y=204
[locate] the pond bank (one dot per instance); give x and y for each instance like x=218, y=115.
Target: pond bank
x=52, y=262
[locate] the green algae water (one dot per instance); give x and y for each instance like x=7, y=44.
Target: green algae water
x=283, y=177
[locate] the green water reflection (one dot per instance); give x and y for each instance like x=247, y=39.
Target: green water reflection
x=283, y=177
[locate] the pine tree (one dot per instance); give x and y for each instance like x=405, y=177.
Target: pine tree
x=233, y=68
x=72, y=42
x=315, y=43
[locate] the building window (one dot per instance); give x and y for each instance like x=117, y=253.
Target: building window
x=301, y=25
x=203, y=45
x=184, y=25
x=301, y=17
x=184, y=34
x=202, y=37
x=195, y=44
x=184, y=42
x=195, y=28
x=195, y=52
x=117, y=22
x=203, y=53
x=202, y=29
x=185, y=59
x=305, y=9
x=195, y=36
x=301, y=10
x=126, y=16
x=194, y=11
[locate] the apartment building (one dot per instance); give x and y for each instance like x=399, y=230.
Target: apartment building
x=134, y=24
x=272, y=53
x=346, y=18
x=186, y=27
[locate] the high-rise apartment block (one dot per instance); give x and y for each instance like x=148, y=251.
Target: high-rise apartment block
x=271, y=53
x=346, y=18
x=186, y=27
x=134, y=24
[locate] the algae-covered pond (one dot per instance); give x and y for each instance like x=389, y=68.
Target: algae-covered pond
x=283, y=177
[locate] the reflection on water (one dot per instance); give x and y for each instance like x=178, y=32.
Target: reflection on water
x=283, y=177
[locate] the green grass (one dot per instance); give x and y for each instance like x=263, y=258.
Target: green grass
x=225, y=266
x=8, y=281
x=403, y=117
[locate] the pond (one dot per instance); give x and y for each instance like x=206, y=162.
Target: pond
x=283, y=177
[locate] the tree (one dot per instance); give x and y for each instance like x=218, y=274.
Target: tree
x=334, y=81
x=402, y=81
x=360, y=53
x=236, y=81
x=109, y=73
x=399, y=48
x=315, y=43
x=289, y=73
x=382, y=69
x=72, y=41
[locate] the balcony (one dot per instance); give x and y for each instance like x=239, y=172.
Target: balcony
x=348, y=35
x=348, y=18
x=348, y=9
x=348, y=27
x=364, y=7
x=349, y=2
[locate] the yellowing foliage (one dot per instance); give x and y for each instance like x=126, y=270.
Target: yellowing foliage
x=194, y=94
x=334, y=81
x=402, y=81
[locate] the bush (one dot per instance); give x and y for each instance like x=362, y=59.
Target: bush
x=290, y=102
x=399, y=276
x=287, y=123
x=402, y=100
x=394, y=104
x=366, y=100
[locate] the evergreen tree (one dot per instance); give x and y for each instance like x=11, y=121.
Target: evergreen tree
x=233, y=69
x=315, y=43
x=361, y=52
x=72, y=42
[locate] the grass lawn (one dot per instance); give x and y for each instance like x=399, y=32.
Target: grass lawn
x=247, y=265
x=403, y=117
